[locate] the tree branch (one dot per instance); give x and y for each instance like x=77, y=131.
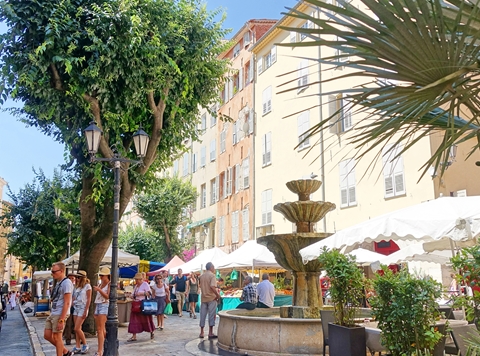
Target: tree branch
x=104, y=148
x=56, y=80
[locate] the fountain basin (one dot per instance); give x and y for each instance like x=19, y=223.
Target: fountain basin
x=304, y=211
x=262, y=332
x=304, y=187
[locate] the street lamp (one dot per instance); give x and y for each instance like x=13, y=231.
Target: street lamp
x=140, y=139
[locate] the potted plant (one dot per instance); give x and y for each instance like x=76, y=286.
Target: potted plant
x=346, y=292
x=405, y=308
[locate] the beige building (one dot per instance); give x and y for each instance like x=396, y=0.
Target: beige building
x=289, y=100
x=3, y=240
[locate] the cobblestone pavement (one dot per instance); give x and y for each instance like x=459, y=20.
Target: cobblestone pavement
x=14, y=338
x=179, y=338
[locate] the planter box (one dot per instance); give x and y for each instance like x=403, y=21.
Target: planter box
x=345, y=341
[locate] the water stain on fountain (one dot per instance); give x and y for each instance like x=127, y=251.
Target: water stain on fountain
x=298, y=330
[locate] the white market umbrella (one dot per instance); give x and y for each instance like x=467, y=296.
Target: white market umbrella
x=455, y=219
x=199, y=262
x=250, y=254
x=365, y=257
x=124, y=258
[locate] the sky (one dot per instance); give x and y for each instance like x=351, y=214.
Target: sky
x=23, y=148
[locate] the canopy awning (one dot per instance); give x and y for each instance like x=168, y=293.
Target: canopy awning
x=200, y=222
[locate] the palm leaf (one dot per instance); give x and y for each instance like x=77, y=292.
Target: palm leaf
x=419, y=59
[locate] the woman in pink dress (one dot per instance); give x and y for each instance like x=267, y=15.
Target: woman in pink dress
x=138, y=321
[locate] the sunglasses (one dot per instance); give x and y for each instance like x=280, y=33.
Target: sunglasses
x=58, y=270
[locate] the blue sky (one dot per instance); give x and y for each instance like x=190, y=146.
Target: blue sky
x=24, y=148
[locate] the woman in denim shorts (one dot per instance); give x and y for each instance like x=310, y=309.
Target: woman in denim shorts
x=101, y=307
x=82, y=296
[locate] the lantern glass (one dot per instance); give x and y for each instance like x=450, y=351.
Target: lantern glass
x=92, y=135
x=141, y=140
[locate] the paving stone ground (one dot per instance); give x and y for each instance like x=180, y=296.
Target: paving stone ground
x=14, y=338
x=179, y=337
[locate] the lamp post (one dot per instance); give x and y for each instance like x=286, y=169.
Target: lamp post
x=140, y=140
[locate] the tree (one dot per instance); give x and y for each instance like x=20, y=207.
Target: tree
x=419, y=59
x=122, y=64
x=142, y=242
x=36, y=236
x=163, y=206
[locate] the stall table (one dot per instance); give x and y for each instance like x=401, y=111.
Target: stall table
x=232, y=302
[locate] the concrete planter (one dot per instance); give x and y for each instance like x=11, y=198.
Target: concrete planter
x=345, y=341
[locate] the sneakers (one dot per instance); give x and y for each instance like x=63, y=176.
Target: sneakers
x=85, y=349
x=76, y=350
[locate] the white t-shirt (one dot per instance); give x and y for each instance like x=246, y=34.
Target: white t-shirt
x=266, y=292
x=58, y=294
x=80, y=295
x=159, y=291
x=99, y=299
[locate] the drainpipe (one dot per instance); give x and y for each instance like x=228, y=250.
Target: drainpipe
x=253, y=62
x=320, y=104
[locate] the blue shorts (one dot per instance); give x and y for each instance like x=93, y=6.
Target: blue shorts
x=101, y=308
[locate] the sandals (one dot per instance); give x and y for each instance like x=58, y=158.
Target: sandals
x=152, y=335
x=132, y=339
x=210, y=337
x=201, y=336
x=194, y=316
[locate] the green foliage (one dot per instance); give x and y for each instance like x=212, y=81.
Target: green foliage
x=164, y=205
x=36, y=236
x=279, y=283
x=419, y=63
x=467, y=261
x=346, y=284
x=142, y=242
x=406, y=310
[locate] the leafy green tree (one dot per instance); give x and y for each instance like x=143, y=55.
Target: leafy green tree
x=122, y=64
x=419, y=59
x=163, y=206
x=35, y=235
x=142, y=242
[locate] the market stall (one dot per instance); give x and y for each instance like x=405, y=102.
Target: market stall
x=143, y=266
x=124, y=259
x=175, y=262
x=41, y=298
x=199, y=262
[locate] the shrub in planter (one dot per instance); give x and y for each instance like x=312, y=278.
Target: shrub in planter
x=406, y=310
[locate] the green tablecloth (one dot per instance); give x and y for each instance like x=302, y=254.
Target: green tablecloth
x=231, y=303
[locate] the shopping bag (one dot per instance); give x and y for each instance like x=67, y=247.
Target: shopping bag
x=136, y=304
x=168, y=309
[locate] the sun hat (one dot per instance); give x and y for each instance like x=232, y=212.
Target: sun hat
x=138, y=276
x=71, y=274
x=82, y=273
x=104, y=271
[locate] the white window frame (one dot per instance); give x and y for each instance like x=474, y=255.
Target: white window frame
x=236, y=50
x=341, y=121
x=303, y=125
x=213, y=191
x=302, y=75
x=267, y=207
x=348, y=191
x=213, y=149
x=223, y=136
x=267, y=149
x=186, y=163
x=235, y=226
x=203, y=123
x=229, y=180
x=245, y=224
x=267, y=100
x=203, y=196
x=393, y=171
x=238, y=178
x=246, y=172
x=221, y=231
x=175, y=167
x=203, y=156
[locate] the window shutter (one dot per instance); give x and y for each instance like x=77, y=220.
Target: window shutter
x=245, y=225
x=225, y=99
x=264, y=150
x=230, y=87
x=343, y=168
x=352, y=184
x=269, y=206
x=388, y=171
x=273, y=53
x=268, y=144
x=293, y=37
x=332, y=113
x=250, y=72
x=346, y=115
x=264, y=207
x=246, y=173
x=234, y=133
x=224, y=190
x=251, y=121
x=398, y=173
x=217, y=187
x=269, y=99
x=259, y=66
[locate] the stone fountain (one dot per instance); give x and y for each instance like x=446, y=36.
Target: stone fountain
x=295, y=329
x=307, y=294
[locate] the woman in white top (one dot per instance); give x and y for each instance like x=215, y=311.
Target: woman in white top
x=82, y=296
x=101, y=307
x=159, y=291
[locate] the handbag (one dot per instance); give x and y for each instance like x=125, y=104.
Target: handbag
x=136, y=306
x=149, y=306
x=167, y=295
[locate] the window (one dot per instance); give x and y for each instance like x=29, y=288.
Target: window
x=228, y=180
x=203, y=196
x=342, y=56
x=246, y=39
x=203, y=156
x=246, y=173
x=303, y=124
x=236, y=50
x=302, y=74
x=267, y=100
x=204, y=122
x=223, y=184
x=393, y=173
x=175, y=167
x=265, y=62
x=267, y=207
x=223, y=136
x=185, y=163
x=245, y=224
x=341, y=117
x=267, y=149
x=248, y=72
x=348, y=196
x=237, y=133
x=293, y=36
x=235, y=226
x=213, y=149
x=213, y=191
x=234, y=133
x=221, y=231
x=194, y=162
x=238, y=81
x=304, y=26
x=238, y=178
x=213, y=118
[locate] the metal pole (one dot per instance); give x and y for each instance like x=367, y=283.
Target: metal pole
x=111, y=341
x=69, y=237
